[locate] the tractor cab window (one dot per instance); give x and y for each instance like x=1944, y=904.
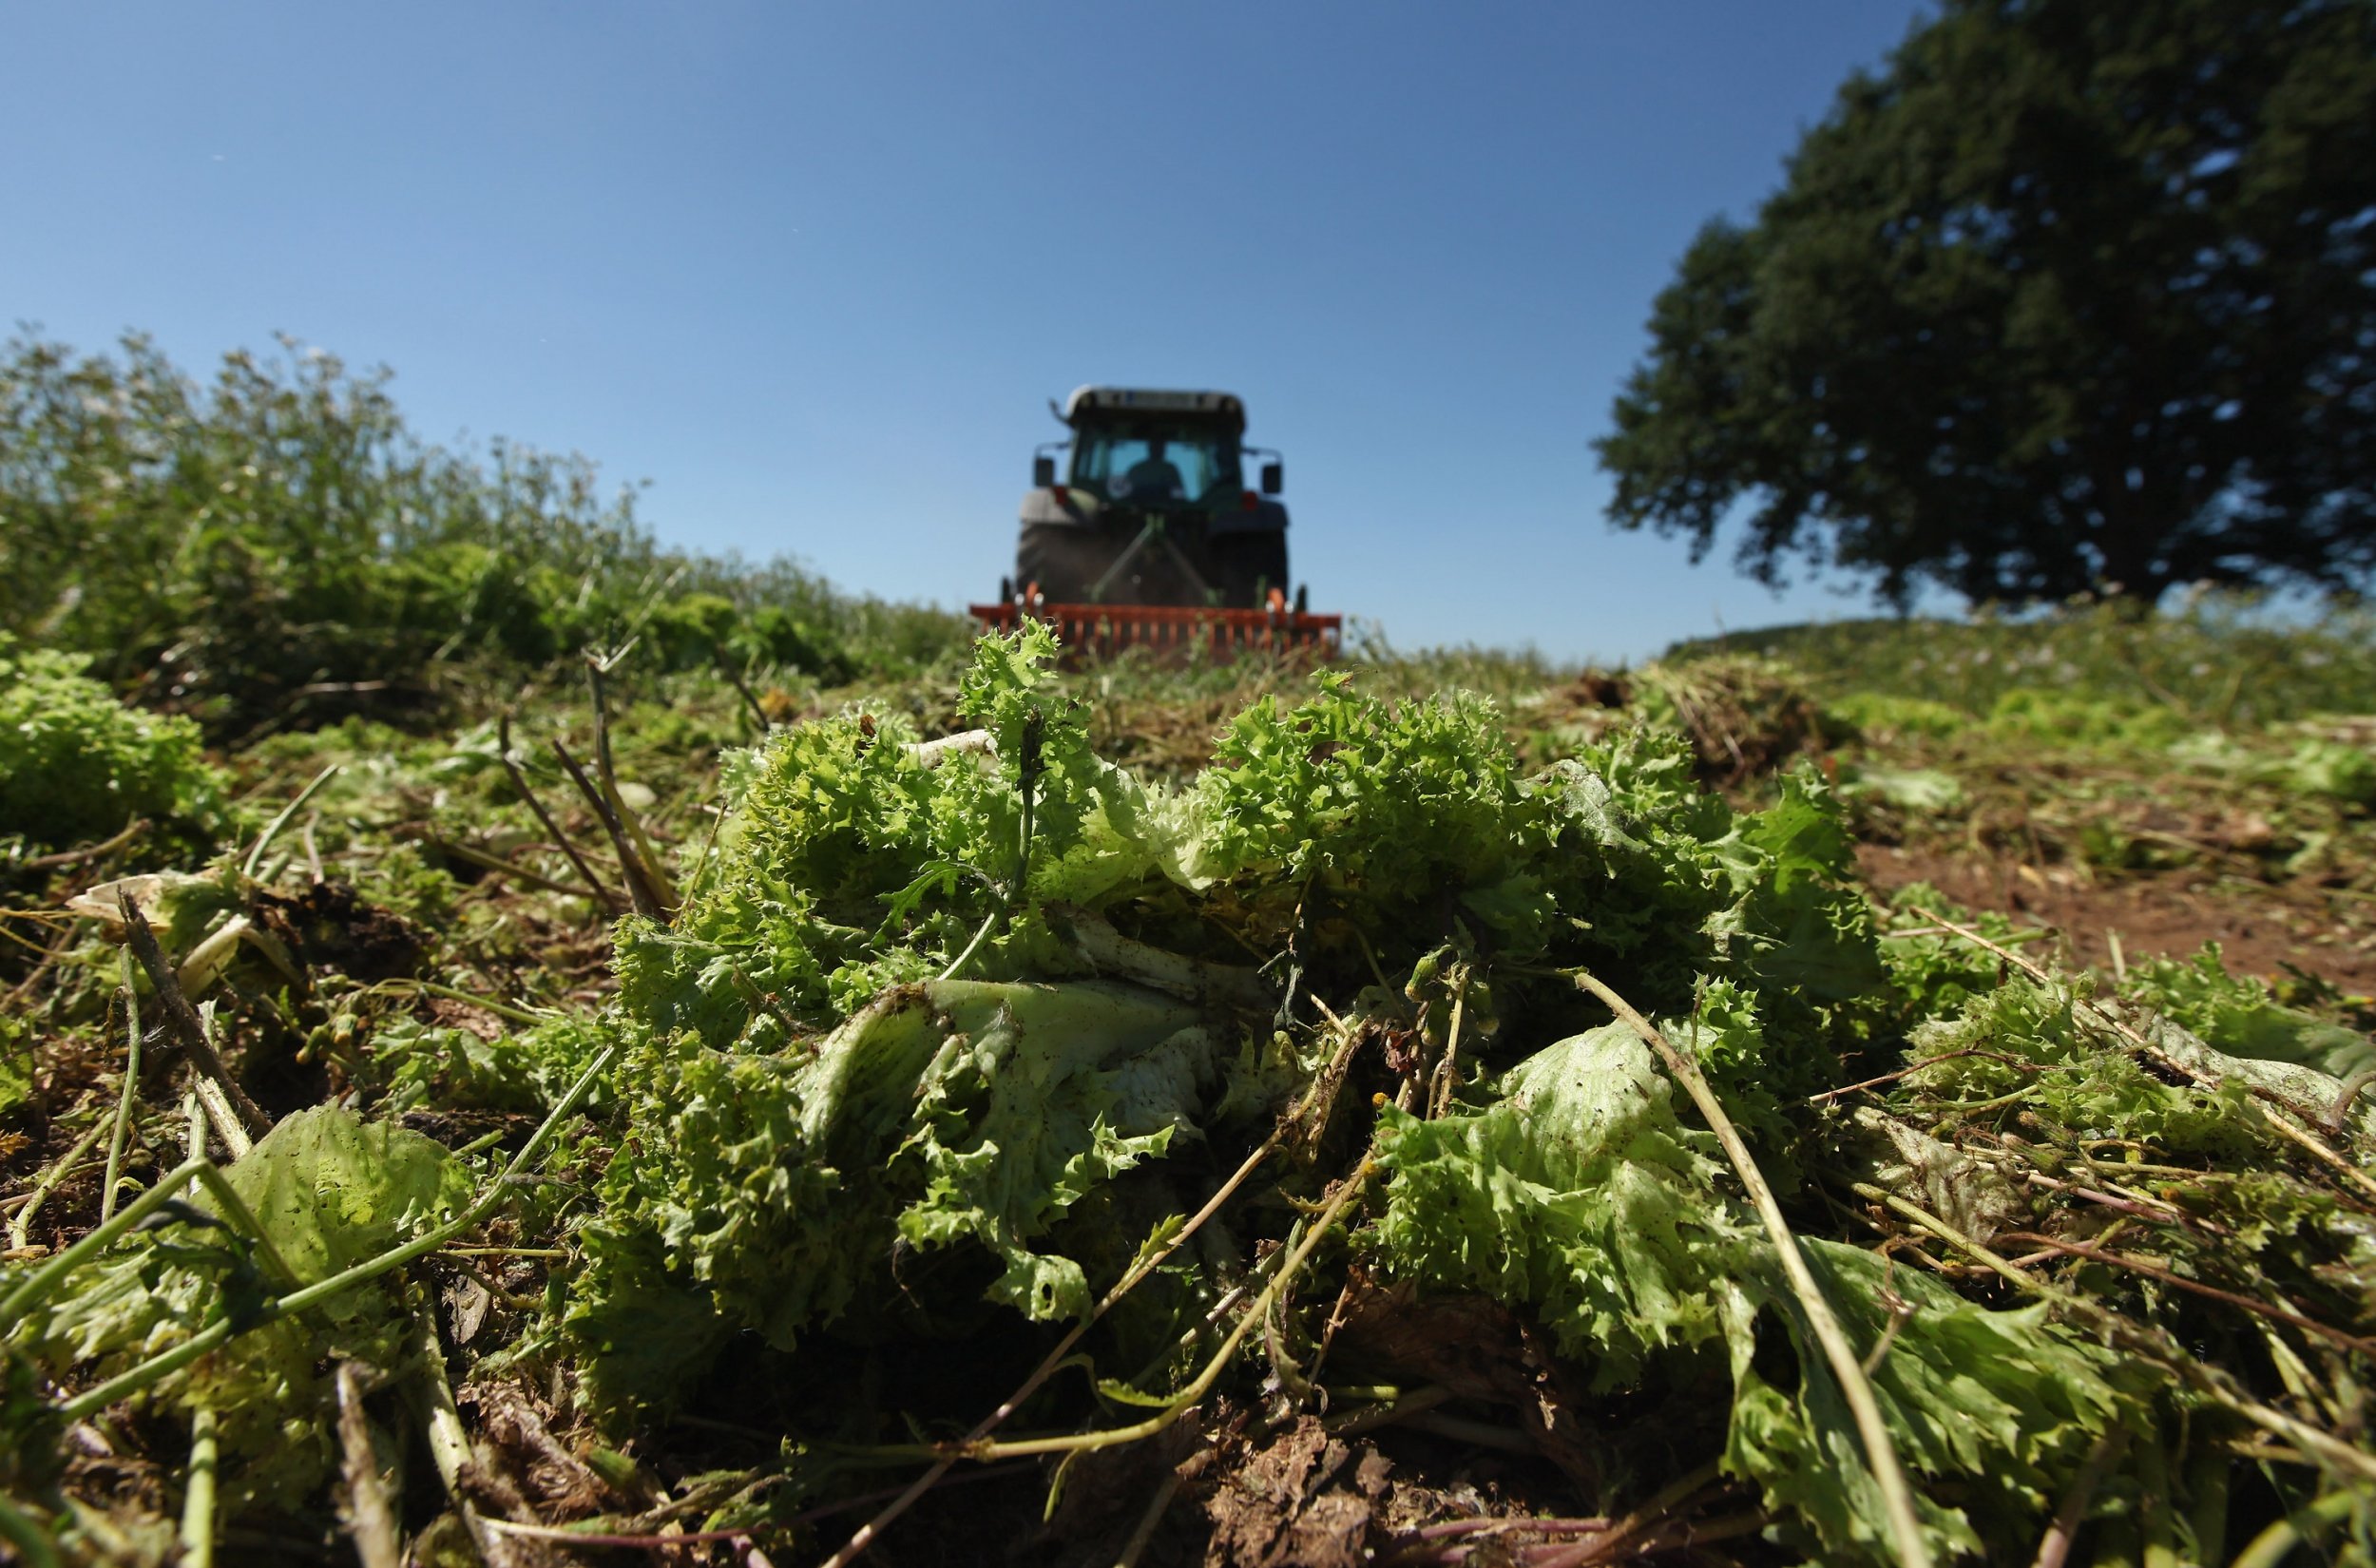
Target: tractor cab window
x=1153, y=464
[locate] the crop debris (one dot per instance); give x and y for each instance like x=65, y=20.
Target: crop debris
x=1417, y=1128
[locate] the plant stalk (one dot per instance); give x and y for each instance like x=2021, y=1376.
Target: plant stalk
x=20, y=1228
x=134, y=1379
x=1881, y=1454
x=641, y=889
x=594, y=888
x=185, y=1017
x=371, y=1522
x=288, y=814
x=2273, y=1545
x=198, y=1501
x=131, y=1082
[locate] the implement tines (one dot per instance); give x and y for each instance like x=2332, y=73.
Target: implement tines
x=1099, y=631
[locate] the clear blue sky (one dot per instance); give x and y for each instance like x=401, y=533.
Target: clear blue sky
x=814, y=270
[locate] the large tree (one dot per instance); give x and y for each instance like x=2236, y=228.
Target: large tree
x=2073, y=296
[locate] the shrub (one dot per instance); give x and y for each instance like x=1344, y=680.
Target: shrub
x=277, y=547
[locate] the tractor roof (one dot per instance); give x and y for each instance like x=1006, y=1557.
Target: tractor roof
x=1143, y=400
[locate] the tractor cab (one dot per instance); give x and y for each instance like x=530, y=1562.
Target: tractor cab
x=1159, y=450
x=1157, y=463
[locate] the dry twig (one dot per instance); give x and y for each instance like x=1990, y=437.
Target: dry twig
x=185, y=1017
x=1880, y=1451
x=594, y=886
x=371, y=1522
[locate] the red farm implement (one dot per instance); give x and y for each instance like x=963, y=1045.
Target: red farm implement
x=1173, y=630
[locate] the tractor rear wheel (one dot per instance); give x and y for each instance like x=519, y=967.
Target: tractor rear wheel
x=1248, y=565
x=1063, y=560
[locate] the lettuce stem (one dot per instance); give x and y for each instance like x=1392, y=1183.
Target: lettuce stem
x=197, y=1500
x=124, y=1098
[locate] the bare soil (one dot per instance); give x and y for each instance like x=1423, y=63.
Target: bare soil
x=2262, y=930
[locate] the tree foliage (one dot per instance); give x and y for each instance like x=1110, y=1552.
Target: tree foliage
x=2068, y=298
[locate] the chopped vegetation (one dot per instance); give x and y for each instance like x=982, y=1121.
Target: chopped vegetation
x=1382, y=1119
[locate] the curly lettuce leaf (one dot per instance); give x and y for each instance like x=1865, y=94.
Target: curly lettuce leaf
x=849, y=865
x=766, y=1191
x=2238, y=1016
x=1389, y=809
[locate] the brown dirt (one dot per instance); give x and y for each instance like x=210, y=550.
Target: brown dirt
x=329, y=925
x=1301, y=1500
x=2261, y=929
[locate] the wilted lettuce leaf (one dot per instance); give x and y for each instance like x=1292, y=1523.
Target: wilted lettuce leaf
x=331, y=1191
x=1921, y=790
x=1041, y=1093
x=2000, y=1401
x=1577, y=1193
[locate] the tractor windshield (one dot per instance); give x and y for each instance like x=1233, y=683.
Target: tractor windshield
x=1147, y=462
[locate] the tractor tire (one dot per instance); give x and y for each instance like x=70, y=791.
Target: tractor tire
x=1063, y=560
x=1248, y=565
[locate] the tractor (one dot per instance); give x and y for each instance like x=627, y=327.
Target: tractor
x=1153, y=538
